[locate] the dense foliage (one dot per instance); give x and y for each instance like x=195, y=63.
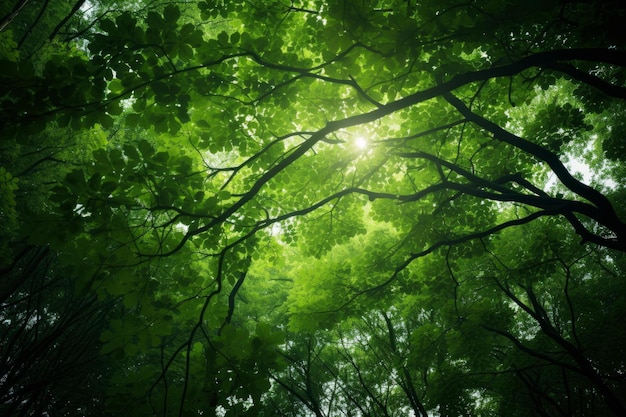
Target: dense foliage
x=312, y=208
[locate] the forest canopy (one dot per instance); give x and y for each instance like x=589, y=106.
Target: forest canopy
x=312, y=208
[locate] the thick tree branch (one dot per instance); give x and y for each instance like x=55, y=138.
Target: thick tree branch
x=231, y=299
x=6, y=20
x=605, y=215
x=57, y=28
x=598, y=83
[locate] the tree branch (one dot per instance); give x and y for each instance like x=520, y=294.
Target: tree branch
x=605, y=215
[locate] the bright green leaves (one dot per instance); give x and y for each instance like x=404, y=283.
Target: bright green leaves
x=336, y=224
x=189, y=39
x=223, y=195
x=327, y=286
x=212, y=9
x=209, y=162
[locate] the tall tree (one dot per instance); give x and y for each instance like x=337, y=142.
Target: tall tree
x=426, y=194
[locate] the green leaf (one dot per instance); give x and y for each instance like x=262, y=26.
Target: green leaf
x=116, y=87
x=145, y=148
x=222, y=38
x=171, y=13
x=108, y=187
x=108, y=26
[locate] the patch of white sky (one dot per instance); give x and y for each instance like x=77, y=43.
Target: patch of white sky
x=577, y=165
x=88, y=9
x=577, y=161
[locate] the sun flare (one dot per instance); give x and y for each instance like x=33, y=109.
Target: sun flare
x=361, y=143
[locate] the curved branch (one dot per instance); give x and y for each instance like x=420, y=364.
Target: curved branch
x=66, y=19
x=6, y=20
x=598, y=83
x=605, y=215
x=231, y=300
x=32, y=26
